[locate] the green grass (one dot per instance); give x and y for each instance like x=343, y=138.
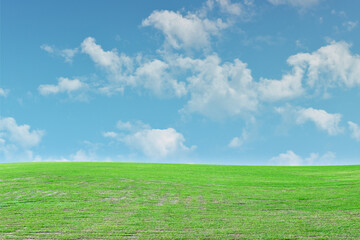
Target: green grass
x=175, y=201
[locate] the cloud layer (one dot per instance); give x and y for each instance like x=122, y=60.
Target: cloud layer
x=185, y=66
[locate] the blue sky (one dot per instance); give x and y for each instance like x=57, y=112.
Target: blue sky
x=247, y=82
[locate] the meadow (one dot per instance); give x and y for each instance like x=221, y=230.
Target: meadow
x=177, y=201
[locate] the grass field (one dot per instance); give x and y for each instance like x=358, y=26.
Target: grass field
x=175, y=201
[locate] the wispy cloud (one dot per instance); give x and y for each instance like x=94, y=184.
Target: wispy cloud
x=355, y=130
x=237, y=142
x=68, y=54
x=350, y=25
x=4, y=92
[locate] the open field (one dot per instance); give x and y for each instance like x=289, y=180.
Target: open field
x=174, y=201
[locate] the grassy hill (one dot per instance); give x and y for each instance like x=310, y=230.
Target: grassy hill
x=175, y=201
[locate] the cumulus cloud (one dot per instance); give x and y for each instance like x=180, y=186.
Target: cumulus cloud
x=157, y=143
x=153, y=143
x=219, y=90
x=64, y=85
x=355, y=130
x=4, y=92
x=189, y=31
x=329, y=66
x=19, y=134
x=153, y=75
x=323, y=120
x=124, y=71
x=289, y=158
x=216, y=89
x=290, y=86
x=296, y=3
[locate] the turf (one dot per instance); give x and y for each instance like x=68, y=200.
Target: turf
x=175, y=201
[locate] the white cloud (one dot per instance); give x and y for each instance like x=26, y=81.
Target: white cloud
x=237, y=142
x=109, y=60
x=350, y=25
x=4, y=92
x=355, y=130
x=47, y=48
x=289, y=86
x=64, y=85
x=288, y=159
x=153, y=143
x=329, y=66
x=218, y=91
x=296, y=3
x=291, y=159
x=233, y=10
x=229, y=7
x=19, y=134
x=132, y=126
x=324, y=121
x=110, y=90
x=153, y=75
x=157, y=143
x=110, y=134
x=83, y=156
x=188, y=31
x=68, y=54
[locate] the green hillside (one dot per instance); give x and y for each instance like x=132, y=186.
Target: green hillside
x=175, y=201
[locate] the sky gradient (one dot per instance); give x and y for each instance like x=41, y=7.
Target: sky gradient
x=220, y=82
